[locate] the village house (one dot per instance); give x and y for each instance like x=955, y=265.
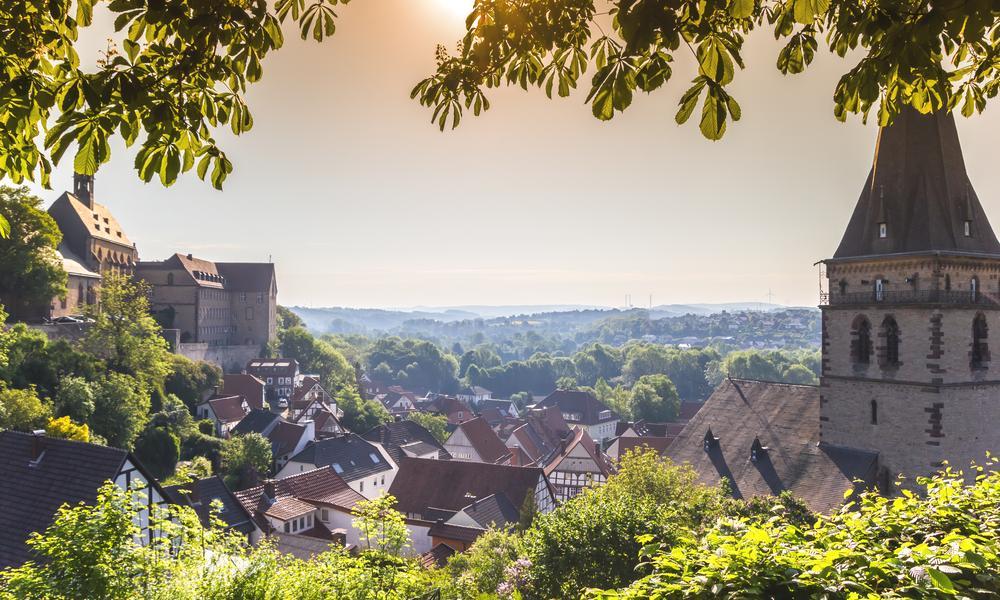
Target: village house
x=631, y=436
x=210, y=497
x=279, y=375
x=225, y=412
x=473, y=395
x=578, y=465
x=364, y=465
x=303, y=513
x=286, y=438
x=398, y=401
x=41, y=474
x=452, y=408
x=506, y=408
x=406, y=438
x=251, y=388
x=582, y=408
x=474, y=440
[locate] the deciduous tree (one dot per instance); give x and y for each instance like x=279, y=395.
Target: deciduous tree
x=31, y=274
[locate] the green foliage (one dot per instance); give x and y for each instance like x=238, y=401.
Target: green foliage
x=22, y=410
x=481, y=569
x=593, y=539
x=930, y=544
x=383, y=528
x=483, y=357
x=287, y=319
x=189, y=380
x=931, y=56
x=121, y=409
x=767, y=365
x=436, y=424
x=655, y=399
x=31, y=273
x=190, y=470
x=158, y=450
x=246, y=459
x=422, y=364
x=180, y=74
x=75, y=399
x=124, y=334
x=360, y=414
x=317, y=356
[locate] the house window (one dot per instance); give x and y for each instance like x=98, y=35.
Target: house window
x=874, y=412
x=861, y=345
x=890, y=331
x=325, y=515
x=287, y=526
x=260, y=298
x=243, y=296
x=980, y=348
x=968, y=229
x=270, y=381
x=362, y=486
x=170, y=279
x=883, y=230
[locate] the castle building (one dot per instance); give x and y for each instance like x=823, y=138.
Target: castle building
x=907, y=378
x=218, y=304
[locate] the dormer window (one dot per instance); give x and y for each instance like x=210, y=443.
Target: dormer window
x=968, y=229
x=883, y=230
x=710, y=440
x=757, y=450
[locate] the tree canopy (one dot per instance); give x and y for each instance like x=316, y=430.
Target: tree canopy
x=928, y=55
x=31, y=273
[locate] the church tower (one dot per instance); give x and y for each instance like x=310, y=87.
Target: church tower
x=914, y=292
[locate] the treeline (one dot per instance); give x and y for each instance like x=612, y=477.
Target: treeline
x=652, y=531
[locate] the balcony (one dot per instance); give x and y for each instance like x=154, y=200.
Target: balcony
x=940, y=297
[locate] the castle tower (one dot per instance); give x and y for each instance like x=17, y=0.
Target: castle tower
x=913, y=296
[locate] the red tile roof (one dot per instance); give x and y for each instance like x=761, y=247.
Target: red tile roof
x=485, y=442
x=228, y=409
x=248, y=386
x=320, y=486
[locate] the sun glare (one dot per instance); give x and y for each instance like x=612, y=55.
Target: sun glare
x=459, y=8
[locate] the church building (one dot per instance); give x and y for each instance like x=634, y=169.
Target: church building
x=907, y=378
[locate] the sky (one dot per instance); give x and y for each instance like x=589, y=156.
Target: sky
x=360, y=201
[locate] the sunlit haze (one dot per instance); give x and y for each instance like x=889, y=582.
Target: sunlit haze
x=360, y=201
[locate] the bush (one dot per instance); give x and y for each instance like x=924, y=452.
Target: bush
x=158, y=450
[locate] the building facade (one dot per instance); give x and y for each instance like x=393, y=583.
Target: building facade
x=914, y=291
x=218, y=304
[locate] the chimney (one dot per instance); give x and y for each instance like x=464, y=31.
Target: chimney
x=83, y=189
x=37, y=446
x=269, y=490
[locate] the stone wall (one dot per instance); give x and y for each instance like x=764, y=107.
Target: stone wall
x=231, y=359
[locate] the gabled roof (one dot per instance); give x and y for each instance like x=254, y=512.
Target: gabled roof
x=283, y=364
x=98, y=222
x=591, y=411
x=287, y=509
x=785, y=418
x=258, y=421
x=285, y=437
x=351, y=456
x=503, y=406
x=307, y=385
x=200, y=494
x=423, y=483
x=248, y=386
x=583, y=440
x=73, y=264
x=68, y=473
x=319, y=486
x=495, y=510
x=919, y=188
x=437, y=556
x=228, y=409
x=655, y=443
x=484, y=441
x=394, y=435
x=247, y=277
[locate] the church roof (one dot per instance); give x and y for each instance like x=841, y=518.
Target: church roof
x=97, y=221
x=783, y=420
x=919, y=188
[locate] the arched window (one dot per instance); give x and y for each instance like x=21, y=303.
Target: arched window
x=170, y=279
x=843, y=286
x=79, y=295
x=874, y=412
x=890, y=332
x=974, y=288
x=980, y=347
x=947, y=283
x=861, y=345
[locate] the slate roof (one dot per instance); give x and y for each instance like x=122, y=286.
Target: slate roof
x=643, y=428
x=319, y=486
x=73, y=264
x=68, y=473
x=584, y=404
x=688, y=410
x=786, y=419
x=199, y=495
x=485, y=442
x=495, y=510
x=351, y=456
x=247, y=277
x=258, y=421
x=423, y=483
x=454, y=532
x=503, y=406
x=400, y=433
x=659, y=444
x=919, y=188
x=248, y=386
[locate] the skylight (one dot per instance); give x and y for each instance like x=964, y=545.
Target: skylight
x=338, y=468
x=374, y=458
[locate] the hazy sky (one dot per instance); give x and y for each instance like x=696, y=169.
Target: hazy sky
x=362, y=202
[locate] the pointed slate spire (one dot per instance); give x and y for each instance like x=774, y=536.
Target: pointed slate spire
x=919, y=189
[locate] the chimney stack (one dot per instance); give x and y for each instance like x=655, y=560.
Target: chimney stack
x=37, y=445
x=83, y=189
x=269, y=490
